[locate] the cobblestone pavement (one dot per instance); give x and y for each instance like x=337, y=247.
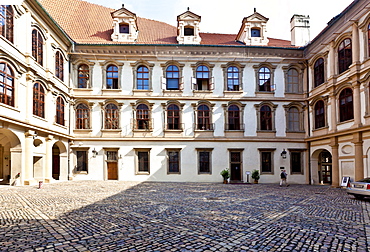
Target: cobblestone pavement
x=128, y=216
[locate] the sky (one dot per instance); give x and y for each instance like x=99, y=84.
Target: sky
x=226, y=16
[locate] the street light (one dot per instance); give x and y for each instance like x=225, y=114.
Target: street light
x=283, y=154
x=94, y=152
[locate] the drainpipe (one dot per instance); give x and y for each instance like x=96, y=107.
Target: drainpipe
x=308, y=125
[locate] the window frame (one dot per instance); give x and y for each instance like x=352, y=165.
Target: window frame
x=319, y=72
x=7, y=19
x=111, y=70
x=195, y=81
x=140, y=163
x=111, y=116
x=85, y=154
x=293, y=87
x=59, y=65
x=320, y=121
x=233, y=78
x=172, y=72
x=38, y=46
x=204, y=116
x=86, y=121
x=176, y=162
x=39, y=96
x=143, y=118
x=5, y=75
x=59, y=118
x=259, y=116
x=257, y=69
x=201, y=162
x=269, y=162
x=346, y=110
x=344, y=55
x=85, y=77
x=292, y=154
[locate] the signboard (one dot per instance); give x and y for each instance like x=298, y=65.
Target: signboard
x=345, y=181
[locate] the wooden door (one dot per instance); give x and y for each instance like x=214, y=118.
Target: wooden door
x=112, y=170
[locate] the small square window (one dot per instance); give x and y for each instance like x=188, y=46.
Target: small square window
x=124, y=28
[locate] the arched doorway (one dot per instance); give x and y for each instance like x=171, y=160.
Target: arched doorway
x=325, y=167
x=10, y=156
x=56, y=162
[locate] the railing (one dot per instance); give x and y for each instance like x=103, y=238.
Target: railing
x=234, y=126
x=205, y=126
x=174, y=126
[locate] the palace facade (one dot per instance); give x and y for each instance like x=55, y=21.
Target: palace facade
x=109, y=95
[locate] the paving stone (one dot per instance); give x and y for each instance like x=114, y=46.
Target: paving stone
x=127, y=216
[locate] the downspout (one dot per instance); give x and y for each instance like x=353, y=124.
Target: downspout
x=70, y=119
x=308, y=125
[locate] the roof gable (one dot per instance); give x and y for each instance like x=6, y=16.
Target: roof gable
x=255, y=17
x=188, y=15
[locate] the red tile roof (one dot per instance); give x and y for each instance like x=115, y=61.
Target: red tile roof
x=88, y=23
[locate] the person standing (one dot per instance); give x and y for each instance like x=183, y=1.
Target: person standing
x=283, y=178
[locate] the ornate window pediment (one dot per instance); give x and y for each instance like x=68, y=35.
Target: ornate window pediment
x=125, y=27
x=253, y=30
x=188, y=28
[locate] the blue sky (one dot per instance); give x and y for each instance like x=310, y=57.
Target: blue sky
x=226, y=16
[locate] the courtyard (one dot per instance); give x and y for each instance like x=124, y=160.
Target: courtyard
x=130, y=216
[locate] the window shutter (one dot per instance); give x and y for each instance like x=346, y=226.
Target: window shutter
x=163, y=82
x=212, y=85
x=194, y=83
x=181, y=84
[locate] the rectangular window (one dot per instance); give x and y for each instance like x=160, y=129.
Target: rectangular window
x=81, y=161
x=143, y=161
x=266, y=161
x=204, y=161
x=296, y=162
x=173, y=160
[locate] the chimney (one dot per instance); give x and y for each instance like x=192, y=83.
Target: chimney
x=300, y=30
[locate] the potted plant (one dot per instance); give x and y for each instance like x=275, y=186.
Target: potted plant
x=225, y=173
x=255, y=176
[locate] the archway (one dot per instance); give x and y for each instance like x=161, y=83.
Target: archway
x=10, y=156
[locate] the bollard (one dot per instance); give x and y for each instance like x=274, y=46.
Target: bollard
x=40, y=184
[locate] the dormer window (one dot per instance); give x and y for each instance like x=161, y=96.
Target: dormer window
x=255, y=32
x=124, y=28
x=189, y=31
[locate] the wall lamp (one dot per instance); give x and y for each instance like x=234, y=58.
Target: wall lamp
x=283, y=154
x=94, y=152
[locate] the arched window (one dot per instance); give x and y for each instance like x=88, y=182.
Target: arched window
x=6, y=84
x=202, y=77
x=172, y=78
x=38, y=100
x=264, y=79
x=82, y=116
x=59, y=66
x=233, y=118
x=111, y=116
x=83, y=76
x=142, y=78
x=293, y=81
x=204, y=118
x=233, y=79
x=6, y=22
x=266, y=118
x=344, y=55
x=173, y=117
x=319, y=72
x=293, y=119
x=112, y=77
x=37, y=46
x=346, y=105
x=60, y=111
x=319, y=114
x=142, y=117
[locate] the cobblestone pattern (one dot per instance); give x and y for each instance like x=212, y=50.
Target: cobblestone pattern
x=124, y=216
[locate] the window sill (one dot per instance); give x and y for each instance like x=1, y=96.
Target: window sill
x=197, y=130
x=266, y=131
x=9, y=107
x=233, y=92
x=111, y=130
x=81, y=173
x=202, y=91
x=60, y=125
x=82, y=130
x=142, y=90
x=113, y=90
x=173, y=130
x=172, y=91
x=347, y=121
x=265, y=92
x=142, y=130
x=321, y=128
x=82, y=89
x=142, y=173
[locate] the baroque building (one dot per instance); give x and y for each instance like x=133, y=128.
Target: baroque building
x=109, y=95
